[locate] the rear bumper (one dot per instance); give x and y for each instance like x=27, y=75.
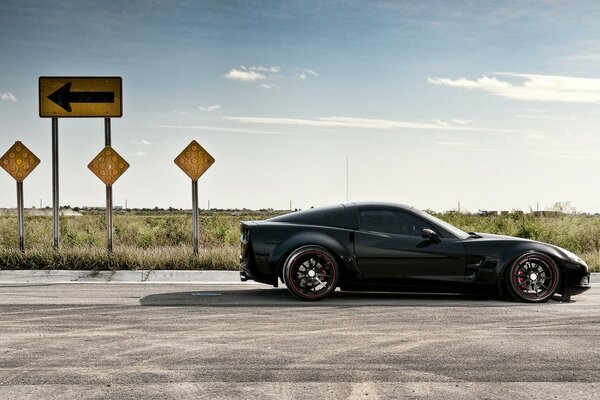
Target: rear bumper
x=243, y=276
x=245, y=273
x=250, y=271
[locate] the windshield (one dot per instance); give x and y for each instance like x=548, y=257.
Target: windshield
x=450, y=228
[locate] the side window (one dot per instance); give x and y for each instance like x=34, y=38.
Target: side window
x=396, y=222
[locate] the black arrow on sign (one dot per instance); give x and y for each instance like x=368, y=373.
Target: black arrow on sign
x=63, y=97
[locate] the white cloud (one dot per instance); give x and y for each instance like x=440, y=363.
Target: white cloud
x=143, y=141
x=461, y=121
x=368, y=123
x=180, y=112
x=570, y=154
x=274, y=69
x=212, y=108
x=531, y=87
x=455, y=144
x=548, y=117
x=251, y=74
x=244, y=75
x=536, y=110
x=303, y=74
x=537, y=135
x=260, y=73
x=465, y=146
x=222, y=129
x=138, y=154
x=8, y=96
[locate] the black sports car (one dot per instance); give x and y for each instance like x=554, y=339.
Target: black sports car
x=392, y=247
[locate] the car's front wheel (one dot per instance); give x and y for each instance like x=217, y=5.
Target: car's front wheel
x=310, y=273
x=533, y=277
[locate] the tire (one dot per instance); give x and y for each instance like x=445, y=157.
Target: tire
x=310, y=273
x=533, y=278
x=283, y=277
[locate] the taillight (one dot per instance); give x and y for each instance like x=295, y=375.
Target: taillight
x=245, y=234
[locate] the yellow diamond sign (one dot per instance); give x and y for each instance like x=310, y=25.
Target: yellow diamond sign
x=19, y=161
x=108, y=165
x=194, y=160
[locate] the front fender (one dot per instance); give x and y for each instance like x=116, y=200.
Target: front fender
x=513, y=252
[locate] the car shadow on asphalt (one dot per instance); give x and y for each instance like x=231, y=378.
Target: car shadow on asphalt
x=281, y=298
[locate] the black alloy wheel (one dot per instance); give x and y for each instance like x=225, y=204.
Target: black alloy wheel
x=533, y=277
x=310, y=273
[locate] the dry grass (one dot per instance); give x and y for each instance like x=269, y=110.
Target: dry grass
x=123, y=257
x=144, y=241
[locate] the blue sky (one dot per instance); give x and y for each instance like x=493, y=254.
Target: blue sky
x=494, y=104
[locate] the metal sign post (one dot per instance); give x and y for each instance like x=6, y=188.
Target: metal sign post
x=20, y=217
x=194, y=161
x=109, y=198
x=195, y=222
x=19, y=161
x=108, y=165
x=55, y=204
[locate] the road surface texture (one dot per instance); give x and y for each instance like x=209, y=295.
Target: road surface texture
x=154, y=341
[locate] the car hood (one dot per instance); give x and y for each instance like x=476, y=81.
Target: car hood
x=492, y=237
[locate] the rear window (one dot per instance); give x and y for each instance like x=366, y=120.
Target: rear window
x=323, y=216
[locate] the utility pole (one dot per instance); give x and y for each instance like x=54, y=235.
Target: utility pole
x=347, y=162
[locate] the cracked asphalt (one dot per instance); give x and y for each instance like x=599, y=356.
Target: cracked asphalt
x=160, y=341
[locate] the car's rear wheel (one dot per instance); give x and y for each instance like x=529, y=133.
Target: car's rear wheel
x=533, y=277
x=310, y=273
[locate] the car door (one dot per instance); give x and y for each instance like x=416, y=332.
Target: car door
x=391, y=252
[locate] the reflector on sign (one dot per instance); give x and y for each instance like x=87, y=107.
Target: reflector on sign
x=108, y=165
x=19, y=161
x=194, y=160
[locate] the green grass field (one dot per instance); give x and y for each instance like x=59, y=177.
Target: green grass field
x=162, y=240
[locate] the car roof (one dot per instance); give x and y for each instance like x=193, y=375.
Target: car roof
x=380, y=204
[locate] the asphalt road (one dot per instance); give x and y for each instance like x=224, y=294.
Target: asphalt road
x=99, y=341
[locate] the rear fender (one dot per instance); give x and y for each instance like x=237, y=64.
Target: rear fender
x=344, y=253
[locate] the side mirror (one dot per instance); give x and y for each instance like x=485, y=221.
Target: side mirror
x=430, y=235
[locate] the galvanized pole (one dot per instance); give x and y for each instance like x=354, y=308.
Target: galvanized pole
x=20, y=216
x=109, y=197
x=55, y=205
x=346, y=179
x=195, y=224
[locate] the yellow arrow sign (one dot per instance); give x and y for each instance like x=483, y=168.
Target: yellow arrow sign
x=80, y=96
x=108, y=165
x=194, y=160
x=19, y=161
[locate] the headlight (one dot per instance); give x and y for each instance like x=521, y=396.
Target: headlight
x=572, y=256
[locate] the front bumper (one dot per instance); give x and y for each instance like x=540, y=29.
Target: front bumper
x=578, y=279
x=583, y=285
